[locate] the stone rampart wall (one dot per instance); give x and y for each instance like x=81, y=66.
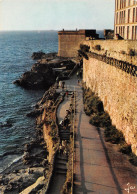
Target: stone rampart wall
x=118, y=91
x=118, y=49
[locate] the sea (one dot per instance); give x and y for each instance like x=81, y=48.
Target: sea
x=16, y=128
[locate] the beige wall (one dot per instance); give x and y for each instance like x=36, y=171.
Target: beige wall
x=69, y=44
x=118, y=91
x=118, y=49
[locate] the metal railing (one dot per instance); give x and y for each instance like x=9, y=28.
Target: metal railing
x=123, y=65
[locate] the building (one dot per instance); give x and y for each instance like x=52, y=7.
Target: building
x=108, y=34
x=126, y=19
x=69, y=41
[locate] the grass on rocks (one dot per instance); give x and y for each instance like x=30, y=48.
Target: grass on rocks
x=93, y=107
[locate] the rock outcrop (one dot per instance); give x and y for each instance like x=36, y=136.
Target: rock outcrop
x=41, y=54
x=40, y=77
x=44, y=72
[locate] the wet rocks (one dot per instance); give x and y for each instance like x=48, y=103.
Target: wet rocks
x=41, y=54
x=16, y=182
x=37, y=55
x=7, y=123
x=37, y=78
x=34, y=113
x=44, y=72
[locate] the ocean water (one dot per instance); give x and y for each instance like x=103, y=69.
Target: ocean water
x=16, y=49
x=16, y=128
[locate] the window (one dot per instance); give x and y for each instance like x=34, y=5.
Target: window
x=128, y=15
x=132, y=32
x=136, y=14
x=117, y=4
x=124, y=3
x=128, y=2
x=133, y=14
x=127, y=32
x=124, y=17
x=123, y=31
x=117, y=19
x=120, y=18
x=135, y=32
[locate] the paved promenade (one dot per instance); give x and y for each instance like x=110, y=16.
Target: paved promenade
x=99, y=167
x=93, y=174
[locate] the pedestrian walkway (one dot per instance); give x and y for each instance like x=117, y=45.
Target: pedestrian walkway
x=61, y=111
x=98, y=166
x=98, y=169
x=92, y=172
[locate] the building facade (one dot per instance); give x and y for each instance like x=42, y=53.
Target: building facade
x=126, y=19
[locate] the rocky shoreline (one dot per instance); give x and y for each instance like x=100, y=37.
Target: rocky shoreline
x=38, y=156
x=44, y=72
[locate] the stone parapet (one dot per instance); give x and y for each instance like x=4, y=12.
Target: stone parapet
x=123, y=50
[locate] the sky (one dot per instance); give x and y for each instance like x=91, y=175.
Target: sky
x=56, y=14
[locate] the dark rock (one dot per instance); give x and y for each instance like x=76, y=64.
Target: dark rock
x=26, y=156
x=27, y=147
x=37, y=55
x=34, y=113
x=7, y=123
x=37, y=79
x=37, y=106
x=42, y=74
x=40, y=67
x=16, y=82
x=40, y=54
x=44, y=162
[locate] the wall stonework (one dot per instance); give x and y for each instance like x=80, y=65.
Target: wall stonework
x=118, y=49
x=69, y=41
x=118, y=91
x=69, y=44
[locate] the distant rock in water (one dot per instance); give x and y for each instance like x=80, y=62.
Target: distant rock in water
x=37, y=55
x=7, y=123
x=41, y=54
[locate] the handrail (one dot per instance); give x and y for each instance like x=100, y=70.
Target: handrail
x=123, y=65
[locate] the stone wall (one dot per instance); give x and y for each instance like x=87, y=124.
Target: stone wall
x=118, y=49
x=117, y=90
x=69, y=44
x=48, y=139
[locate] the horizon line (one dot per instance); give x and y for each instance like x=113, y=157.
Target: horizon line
x=50, y=30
